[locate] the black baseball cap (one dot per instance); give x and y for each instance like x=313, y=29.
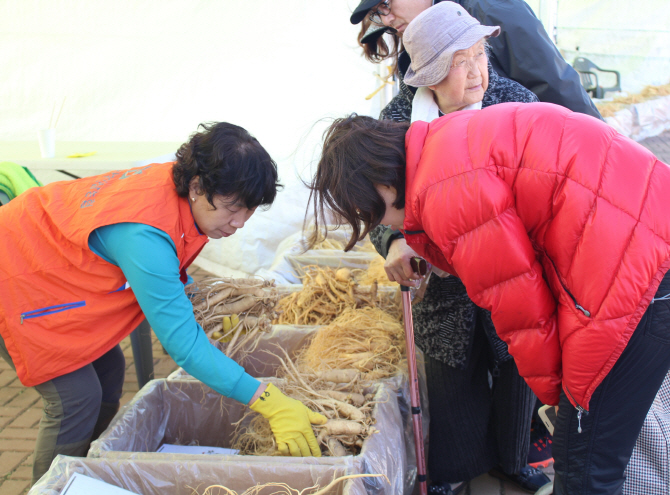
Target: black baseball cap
x=373, y=33
x=362, y=10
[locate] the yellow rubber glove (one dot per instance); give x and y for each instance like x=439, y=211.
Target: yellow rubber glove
x=290, y=421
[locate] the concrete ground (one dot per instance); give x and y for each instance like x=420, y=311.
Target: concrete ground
x=21, y=408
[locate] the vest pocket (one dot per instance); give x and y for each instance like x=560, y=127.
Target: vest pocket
x=36, y=313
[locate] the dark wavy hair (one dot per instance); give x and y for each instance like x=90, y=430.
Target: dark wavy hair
x=227, y=161
x=358, y=153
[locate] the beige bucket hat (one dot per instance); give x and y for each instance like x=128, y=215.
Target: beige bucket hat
x=434, y=36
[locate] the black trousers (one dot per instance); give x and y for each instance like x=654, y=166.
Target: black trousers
x=474, y=427
x=593, y=461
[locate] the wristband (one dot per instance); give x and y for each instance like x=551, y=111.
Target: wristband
x=389, y=236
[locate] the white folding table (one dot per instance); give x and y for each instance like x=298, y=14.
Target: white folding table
x=109, y=155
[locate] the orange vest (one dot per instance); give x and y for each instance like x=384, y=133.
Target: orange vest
x=61, y=305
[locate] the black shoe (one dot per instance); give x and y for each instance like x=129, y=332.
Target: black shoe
x=529, y=478
x=442, y=488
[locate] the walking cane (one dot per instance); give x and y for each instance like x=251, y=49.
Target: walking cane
x=418, y=266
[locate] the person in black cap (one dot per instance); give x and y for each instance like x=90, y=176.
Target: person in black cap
x=523, y=53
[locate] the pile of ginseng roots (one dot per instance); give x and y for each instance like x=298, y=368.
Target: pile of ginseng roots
x=234, y=311
x=329, y=243
x=326, y=293
x=609, y=108
x=284, y=489
x=337, y=375
x=375, y=274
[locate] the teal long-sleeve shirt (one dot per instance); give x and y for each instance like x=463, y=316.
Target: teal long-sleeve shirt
x=148, y=258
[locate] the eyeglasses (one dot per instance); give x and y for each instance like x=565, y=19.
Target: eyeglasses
x=382, y=9
x=462, y=62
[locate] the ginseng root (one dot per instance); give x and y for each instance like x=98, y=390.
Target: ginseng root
x=338, y=376
x=346, y=410
x=240, y=306
x=345, y=427
x=356, y=399
x=335, y=447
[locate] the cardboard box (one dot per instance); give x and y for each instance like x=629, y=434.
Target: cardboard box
x=190, y=476
x=187, y=411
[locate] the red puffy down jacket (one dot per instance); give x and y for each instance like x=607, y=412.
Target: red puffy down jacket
x=555, y=223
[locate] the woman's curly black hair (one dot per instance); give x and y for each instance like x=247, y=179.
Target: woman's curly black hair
x=227, y=161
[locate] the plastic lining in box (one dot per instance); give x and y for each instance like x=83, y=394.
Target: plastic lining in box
x=187, y=411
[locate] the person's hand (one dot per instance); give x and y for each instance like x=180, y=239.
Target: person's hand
x=291, y=422
x=397, y=266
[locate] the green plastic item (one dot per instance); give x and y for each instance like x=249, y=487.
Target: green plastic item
x=15, y=179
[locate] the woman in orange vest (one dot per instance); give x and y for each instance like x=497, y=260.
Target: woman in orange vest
x=83, y=262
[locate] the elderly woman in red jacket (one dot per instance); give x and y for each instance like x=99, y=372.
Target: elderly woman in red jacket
x=557, y=225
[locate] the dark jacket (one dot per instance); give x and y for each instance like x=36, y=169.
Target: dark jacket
x=445, y=319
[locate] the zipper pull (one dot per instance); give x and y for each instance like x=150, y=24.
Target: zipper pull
x=580, y=308
x=580, y=411
x=496, y=371
x=21, y=319
x=579, y=421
